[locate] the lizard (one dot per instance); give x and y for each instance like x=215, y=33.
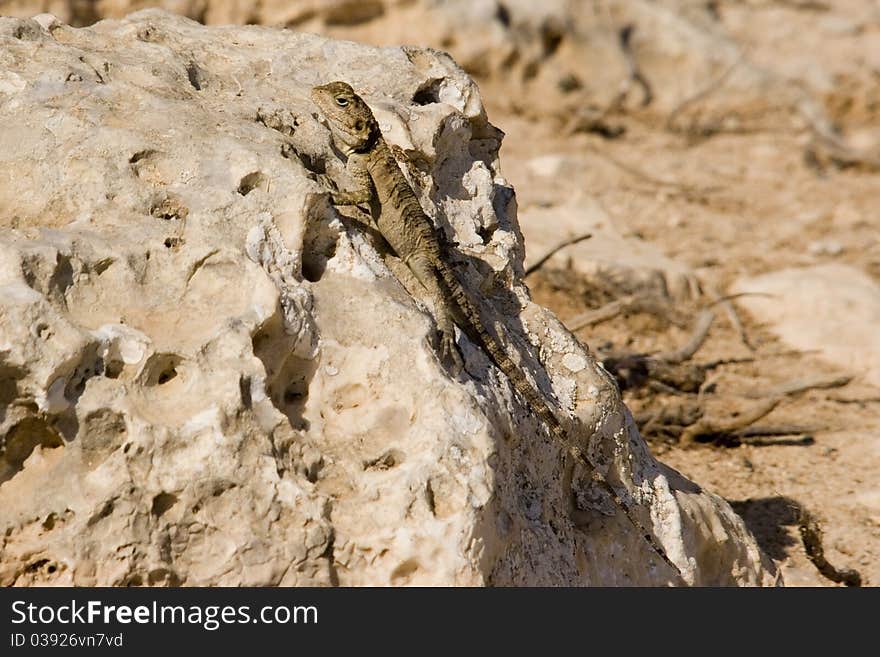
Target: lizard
x=400, y=219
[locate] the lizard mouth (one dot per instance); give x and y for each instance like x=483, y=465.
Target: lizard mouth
x=320, y=118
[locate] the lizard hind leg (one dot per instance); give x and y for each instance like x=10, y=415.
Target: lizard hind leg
x=425, y=271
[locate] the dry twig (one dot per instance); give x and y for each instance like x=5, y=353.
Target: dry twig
x=609, y=311
x=556, y=249
x=794, y=387
x=777, y=430
x=635, y=74
x=698, y=337
x=861, y=401
x=714, y=427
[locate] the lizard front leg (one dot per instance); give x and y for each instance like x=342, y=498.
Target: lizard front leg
x=350, y=197
x=364, y=191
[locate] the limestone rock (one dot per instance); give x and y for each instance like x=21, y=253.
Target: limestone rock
x=208, y=376
x=832, y=309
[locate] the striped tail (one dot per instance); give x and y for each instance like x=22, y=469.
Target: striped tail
x=539, y=405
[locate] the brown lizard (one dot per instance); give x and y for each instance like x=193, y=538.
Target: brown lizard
x=400, y=219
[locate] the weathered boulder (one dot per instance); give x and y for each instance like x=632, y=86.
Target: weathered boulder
x=208, y=376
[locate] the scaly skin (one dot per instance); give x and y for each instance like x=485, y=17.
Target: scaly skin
x=396, y=211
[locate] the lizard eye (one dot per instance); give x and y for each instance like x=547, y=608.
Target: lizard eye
x=342, y=101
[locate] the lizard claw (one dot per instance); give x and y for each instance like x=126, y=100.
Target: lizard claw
x=449, y=353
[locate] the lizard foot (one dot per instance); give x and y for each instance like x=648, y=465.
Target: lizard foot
x=449, y=353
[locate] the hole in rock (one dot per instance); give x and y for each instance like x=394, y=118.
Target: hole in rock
x=104, y=512
x=244, y=387
x=140, y=155
x=169, y=208
x=160, y=369
x=287, y=377
x=102, y=265
x=319, y=245
x=428, y=93
x=21, y=441
x=485, y=233
x=312, y=163
x=166, y=375
x=36, y=565
x=162, y=502
x=386, y=461
x=162, y=577
x=133, y=580
x=195, y=76
x=113, y=368
x=9, y=375
x=405, y=570
x=250, y=182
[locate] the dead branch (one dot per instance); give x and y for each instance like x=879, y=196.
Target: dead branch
x=556, y=249
x=728, y=427
x=776, y=430
x=733, y=318
x=861, y=401
x=670, y=420
x=698, y=337
x=737, y=295
x=634, y=371
x=666, y=372
x=800, y=385
x=642, y=302
x=711, y=365
x=764, y=441
x=665, y=388
x=609, y=311
x=714, y=364
x=673, y=423
x=635, y=73
x=733, y=315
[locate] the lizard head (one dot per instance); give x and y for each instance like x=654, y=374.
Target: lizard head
x=349, y=118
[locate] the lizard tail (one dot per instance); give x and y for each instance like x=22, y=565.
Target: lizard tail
x=499, y=355
x=539, y=405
